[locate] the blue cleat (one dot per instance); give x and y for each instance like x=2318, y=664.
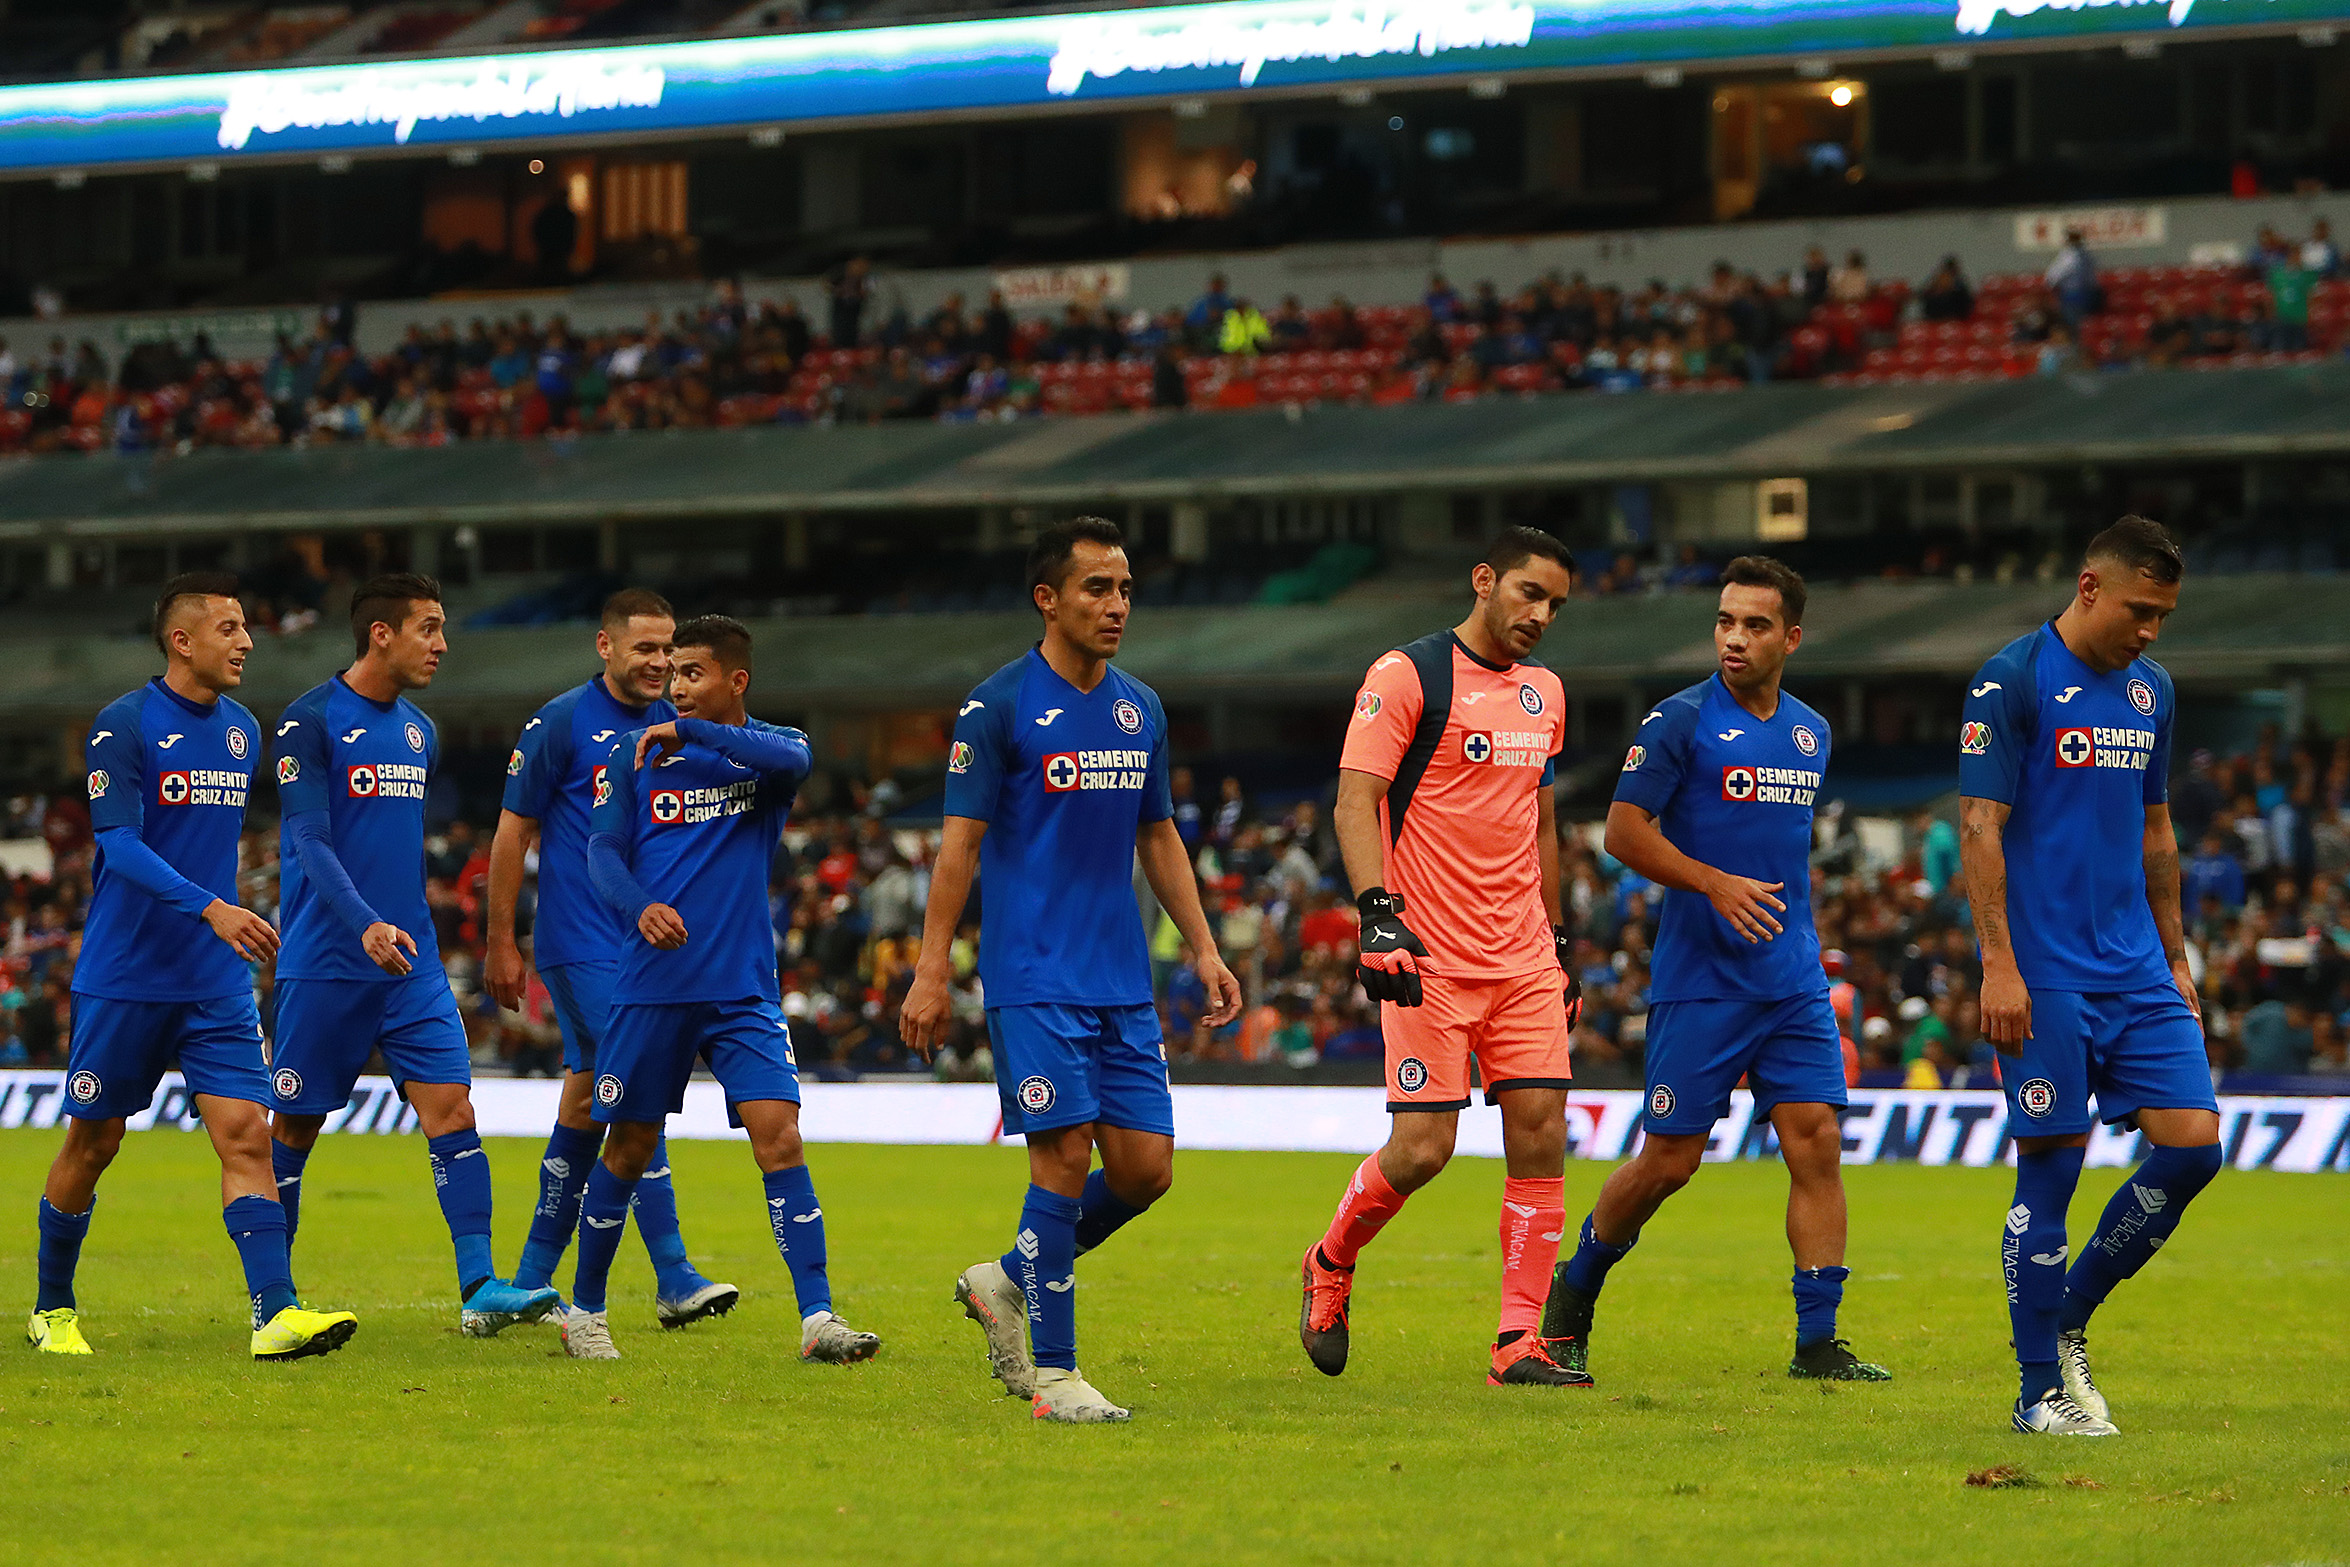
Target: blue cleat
x=704, y=1300
x=496, y=1305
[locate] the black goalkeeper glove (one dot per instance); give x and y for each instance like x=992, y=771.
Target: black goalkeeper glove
x=1390, y=966
x=1564, y=944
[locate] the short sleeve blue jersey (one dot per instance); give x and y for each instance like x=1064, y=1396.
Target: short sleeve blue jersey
x=1064, y=780
x=2077, y=756
x=1735, y=792
x=176, y=773
x=699, y=830
x=365, y=764
x=550, y=779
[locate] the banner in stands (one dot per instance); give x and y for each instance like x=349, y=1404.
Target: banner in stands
x=629, y=91
x=1958, y=1126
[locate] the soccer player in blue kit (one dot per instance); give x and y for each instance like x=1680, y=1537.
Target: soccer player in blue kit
x=577, y=941
x=163, y=973
x=682, y=839
x=2072, y=868
x=353, y=758
x=1056, y=782
x=1715, y=805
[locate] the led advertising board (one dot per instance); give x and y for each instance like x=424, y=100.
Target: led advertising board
x=1008, y=63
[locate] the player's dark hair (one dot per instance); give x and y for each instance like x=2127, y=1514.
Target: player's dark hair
x=2141, y=544
x=1760, y=571
x=190, y=585
x=388, y=600
x=1516, y=546
x=727, y=638
x=1056, y=545
x=625, y=605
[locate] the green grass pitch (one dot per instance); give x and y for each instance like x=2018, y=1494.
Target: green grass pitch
x=2224, y=1361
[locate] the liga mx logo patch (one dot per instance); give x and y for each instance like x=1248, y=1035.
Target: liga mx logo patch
x=1634, y=757
x=98, y=782
x=1974, y=738
x=959, y=759
x=1411, y=1074
x=2142, y=697
x=607, y=1090
x=1367, y=704
x=84, y=1087
x=2037, y=1097
x=288, y=769
x=1660, y=1101
x=237, y=743
x=1129, y=716
x=286, y=1083
x=602, y=788
x=1036, y=1094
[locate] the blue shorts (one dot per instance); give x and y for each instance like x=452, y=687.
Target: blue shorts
x=582, y=994
x=649, y=1050
x=121, y=1049
x=2142, y=1050
x=1059, y=1066
x=1788, y=1050
x=327, y=1028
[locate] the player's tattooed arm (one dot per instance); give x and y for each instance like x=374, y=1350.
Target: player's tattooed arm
x=1982, y=856
x=2160, y=851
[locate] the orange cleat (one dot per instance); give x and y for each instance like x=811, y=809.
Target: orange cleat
x=1321, y=1319
x=1534, y=1361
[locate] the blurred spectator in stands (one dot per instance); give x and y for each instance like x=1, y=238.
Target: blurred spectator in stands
x=1205, y=318
x=1188, y=822
x=1293, y=329
x=2327, y=1056
x=846, y=292
x=2214, y=872
x=1815, y=277
x=2059, y=355
x=2319, y=254
x=1946, y=296
x=1342, y=329
x=1244, y=330
x=1692, y=572
x=1231, y=807
x=2072, y=278
x=2276, y=1037
x=1937, y=850
x=1849, y=283
x=1441, y=303
x=1169, y=388
x=2269, y=249
x=1621, y=576
x=2289, y=288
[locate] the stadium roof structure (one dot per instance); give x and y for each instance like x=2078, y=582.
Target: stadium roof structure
x=2228, y=629
x=1809, y=430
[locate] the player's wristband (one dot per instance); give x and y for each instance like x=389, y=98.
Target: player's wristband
x=1375, y=903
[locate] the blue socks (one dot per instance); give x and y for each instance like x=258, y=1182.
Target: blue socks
x=603, y=1213
x=656, y=1223
x=258, y=1226
x=61, y=1253
x=799, y=1235
x=2031, y=1260
x=287, y=1164
x=563, y=1177
x=1587, y=1270
x=1102, y=1213
x=1043, y=1262
x=1818, y=1292
x=461, y=1179
x=2137, y=1221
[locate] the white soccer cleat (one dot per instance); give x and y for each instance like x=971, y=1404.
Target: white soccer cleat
x=990, y=1298
x=2072, y=1359
x=711, y=1300
x=587, y=1335
x=1068, y=1399
x=2058, y=1415
x=824, y=1337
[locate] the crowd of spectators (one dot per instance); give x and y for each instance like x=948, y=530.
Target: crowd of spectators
x=2266, y=857
x=735, y=361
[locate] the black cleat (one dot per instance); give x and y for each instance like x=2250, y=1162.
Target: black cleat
x=1832, y=1360
x=1546, y=1363
x=1321, y=1319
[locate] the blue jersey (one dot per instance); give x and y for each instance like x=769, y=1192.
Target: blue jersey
x=2077, y=757
x=698, y=831
x=1064, y=779
x=365, y=764
x=1735, y=792
x=550, y=778
x=175, y=772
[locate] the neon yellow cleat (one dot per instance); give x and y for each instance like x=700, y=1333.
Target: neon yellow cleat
x=298, y=1331
x=57, y=1332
